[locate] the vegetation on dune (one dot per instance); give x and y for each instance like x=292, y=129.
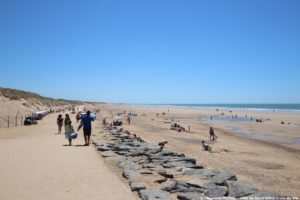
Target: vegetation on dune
x=35, y=99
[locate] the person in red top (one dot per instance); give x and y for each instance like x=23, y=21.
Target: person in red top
x=212, y=134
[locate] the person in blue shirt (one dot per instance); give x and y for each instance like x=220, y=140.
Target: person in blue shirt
x=86, y=123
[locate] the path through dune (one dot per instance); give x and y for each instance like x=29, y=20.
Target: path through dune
x=35, y=164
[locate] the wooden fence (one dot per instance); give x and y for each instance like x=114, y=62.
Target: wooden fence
x=10, y=121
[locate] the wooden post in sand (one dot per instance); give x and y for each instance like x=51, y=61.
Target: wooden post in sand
x=21, y=120
x=16, y=120
x=7, y=121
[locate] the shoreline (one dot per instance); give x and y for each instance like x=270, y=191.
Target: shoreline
x=224, y=108
x=269, y=166
x=242, y=123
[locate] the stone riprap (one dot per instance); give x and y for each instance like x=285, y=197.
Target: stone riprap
x=161, y=174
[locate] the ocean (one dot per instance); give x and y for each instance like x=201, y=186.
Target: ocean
x=254, y=107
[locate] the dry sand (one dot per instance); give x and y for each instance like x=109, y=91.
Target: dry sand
x=268, y=165
x=35, y=164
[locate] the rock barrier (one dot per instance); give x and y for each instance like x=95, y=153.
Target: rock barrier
x=161, y=174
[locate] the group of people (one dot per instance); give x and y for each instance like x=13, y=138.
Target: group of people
x=177, y=127
x=86, y=123
x=212, y=137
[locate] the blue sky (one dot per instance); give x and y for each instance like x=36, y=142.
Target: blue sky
x=158, y=51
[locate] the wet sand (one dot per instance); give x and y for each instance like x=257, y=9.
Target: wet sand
x=261, y=153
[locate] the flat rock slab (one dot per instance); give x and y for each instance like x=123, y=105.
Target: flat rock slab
x=108, y=154
x=220, y=178
x=175, y=164
x=160, y=180
x=194, y=182
x=145, y=172
x=239, y=189
x=191, y=196
x=153, y=194
x=203, y=172
x=104, y=148
x=262, y=193
x=137, y=186
x=128, y=165
x=168, y=173
x=220, y=191
x=178, y=186
x=131, y=175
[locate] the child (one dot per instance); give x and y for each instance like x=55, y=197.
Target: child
x=60, y=123
x=69, y=131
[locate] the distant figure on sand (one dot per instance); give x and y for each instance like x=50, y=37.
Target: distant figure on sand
x=86, y=122
x=59, y=123
x=69, y=131
x=128, y=120
x=212, y=135
x=162, y=144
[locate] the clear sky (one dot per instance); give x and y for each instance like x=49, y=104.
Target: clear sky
x=153, y=51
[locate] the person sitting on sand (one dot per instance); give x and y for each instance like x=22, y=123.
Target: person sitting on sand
x=86, y=122
x=212, y=134
x=60, y=123
x=162, y=144
x=210, y=149
x=69, y=131
x=205, y=146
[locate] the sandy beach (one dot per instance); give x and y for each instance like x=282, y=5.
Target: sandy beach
x=176, y=100
x=37, y=164
x=264, y=154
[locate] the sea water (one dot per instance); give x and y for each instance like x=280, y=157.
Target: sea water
x=254, y=107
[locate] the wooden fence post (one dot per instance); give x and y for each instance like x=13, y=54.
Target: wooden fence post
x=16, y=120
x=8, y=121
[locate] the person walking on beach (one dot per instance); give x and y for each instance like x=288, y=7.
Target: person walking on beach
x=69, y=131
x=67, y=119
x=86, y=122
x=59, y=122
x=211, y=134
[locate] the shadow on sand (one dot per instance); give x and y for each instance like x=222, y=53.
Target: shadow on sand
x=81, y=145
